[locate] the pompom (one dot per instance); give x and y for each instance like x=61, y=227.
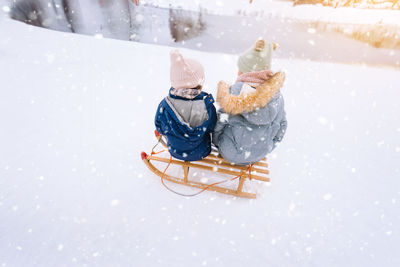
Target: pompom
x=259, y=45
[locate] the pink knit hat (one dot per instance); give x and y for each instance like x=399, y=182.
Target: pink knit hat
x=185, y=73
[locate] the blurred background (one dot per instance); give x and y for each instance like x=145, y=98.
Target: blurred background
x=346, y=31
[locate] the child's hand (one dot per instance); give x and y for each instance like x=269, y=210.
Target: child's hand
x=275, y=45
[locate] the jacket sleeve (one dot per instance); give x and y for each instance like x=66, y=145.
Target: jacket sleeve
x=282, y=130
x=213, y=122
x=159, y=119
x=283, y=125
x=219, y=127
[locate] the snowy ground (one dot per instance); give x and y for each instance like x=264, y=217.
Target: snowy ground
x=76, y=111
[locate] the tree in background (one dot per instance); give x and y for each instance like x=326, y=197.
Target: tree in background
x=185, y=24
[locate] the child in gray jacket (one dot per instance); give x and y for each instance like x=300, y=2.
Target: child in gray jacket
x=252, y=118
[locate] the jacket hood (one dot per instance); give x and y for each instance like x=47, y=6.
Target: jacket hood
x=186, y=142
x=247, y=103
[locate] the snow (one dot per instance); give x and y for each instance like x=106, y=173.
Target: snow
x=285, y=9
x=76, y=112
x=5, y=8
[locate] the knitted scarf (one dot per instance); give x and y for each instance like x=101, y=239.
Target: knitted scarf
x=256, y=77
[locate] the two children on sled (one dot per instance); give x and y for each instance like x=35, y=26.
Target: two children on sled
x=251, y=119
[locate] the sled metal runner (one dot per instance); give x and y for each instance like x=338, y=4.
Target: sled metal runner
x=212, y=163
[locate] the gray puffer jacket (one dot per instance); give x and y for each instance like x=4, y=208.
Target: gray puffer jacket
x=249, y=124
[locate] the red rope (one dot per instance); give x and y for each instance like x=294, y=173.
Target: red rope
x=155, y=153
x=208, y=186
x=249, y=169
x=232, y=179
x=162, y=177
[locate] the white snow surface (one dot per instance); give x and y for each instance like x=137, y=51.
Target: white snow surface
x=76, y=111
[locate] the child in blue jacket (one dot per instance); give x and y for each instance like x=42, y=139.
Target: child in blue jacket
x=187, y=116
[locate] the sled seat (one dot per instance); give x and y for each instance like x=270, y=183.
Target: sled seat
x=212, y=163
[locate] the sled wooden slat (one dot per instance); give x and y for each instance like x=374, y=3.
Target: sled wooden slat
x=197, y=184
x=260, y=163
x=214, y=162
x=219, y=163
x=240, y=186
x=208, y=168
x=185, y=173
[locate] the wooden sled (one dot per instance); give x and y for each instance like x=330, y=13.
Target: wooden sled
x=212, y=163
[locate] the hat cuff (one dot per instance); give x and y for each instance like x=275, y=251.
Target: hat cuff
x=181, y=85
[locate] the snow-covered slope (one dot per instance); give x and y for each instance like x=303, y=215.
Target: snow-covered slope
x=76, y=111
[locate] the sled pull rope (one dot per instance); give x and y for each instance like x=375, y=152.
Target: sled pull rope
x=155, y=153
x=208, y=186
x=152, y=150
x=249, y=169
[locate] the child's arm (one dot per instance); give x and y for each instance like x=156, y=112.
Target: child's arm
x=159, y=119
x=283, y=122
x=219, y=127
x=214, y=117
x=282, y=130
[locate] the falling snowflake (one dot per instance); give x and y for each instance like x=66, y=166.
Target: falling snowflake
x=139, y=18
x=114, y=202
x=6, y=9
x=223, y=117
x=204, y=180
x=311, y=30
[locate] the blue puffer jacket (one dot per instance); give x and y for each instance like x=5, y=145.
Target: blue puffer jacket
x=187, y=124
x=250, y=124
